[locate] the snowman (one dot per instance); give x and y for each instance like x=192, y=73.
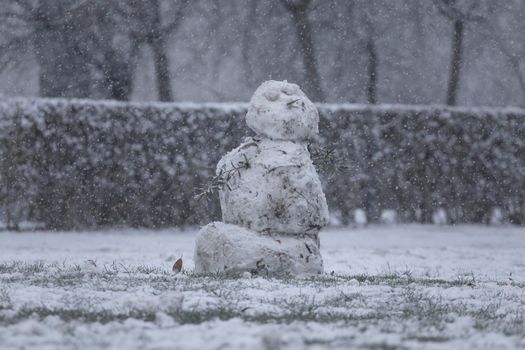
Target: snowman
x=272, y=202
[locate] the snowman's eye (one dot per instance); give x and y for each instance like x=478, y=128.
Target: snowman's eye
x=290, y=89
x=272, y=95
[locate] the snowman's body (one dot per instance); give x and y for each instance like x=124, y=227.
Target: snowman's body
x=273, y=195
x=277, y=191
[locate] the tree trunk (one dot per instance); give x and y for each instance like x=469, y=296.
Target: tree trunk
x=371, y=87
x=312, y=83
x=157, y=41
x=455, y=64
x=247, y=42
x=115, y=62
x=162, y=69
x=117, y=75
x=61, y=52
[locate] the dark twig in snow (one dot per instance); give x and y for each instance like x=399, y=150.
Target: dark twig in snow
x=221, y=180
x=326, y=160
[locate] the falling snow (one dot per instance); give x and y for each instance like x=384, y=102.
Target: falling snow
x=114, y=115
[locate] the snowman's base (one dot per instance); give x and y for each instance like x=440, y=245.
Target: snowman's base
x=230, y=249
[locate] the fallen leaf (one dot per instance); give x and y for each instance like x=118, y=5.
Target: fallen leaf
x=177, y=267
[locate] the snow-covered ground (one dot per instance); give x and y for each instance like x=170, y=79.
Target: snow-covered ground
x=405, y=286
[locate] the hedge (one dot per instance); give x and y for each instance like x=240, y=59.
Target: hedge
x=79, y=163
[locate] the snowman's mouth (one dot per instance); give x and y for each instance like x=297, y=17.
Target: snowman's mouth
x=292, y=103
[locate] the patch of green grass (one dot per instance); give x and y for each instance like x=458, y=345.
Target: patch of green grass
x=5, y=298
x=392, y=279
x=72, y=275
x=148, y=270
x=383, y=346
x=83, y=315
x=389, y=298
x=429, y=338
x=20, y=267
x=9, y=267
x=515, y=324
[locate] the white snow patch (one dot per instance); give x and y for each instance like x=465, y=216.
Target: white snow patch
x=403, y=286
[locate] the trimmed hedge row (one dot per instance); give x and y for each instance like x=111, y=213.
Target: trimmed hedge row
x=75, y=163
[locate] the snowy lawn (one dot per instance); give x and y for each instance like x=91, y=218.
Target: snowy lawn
x=392, y=287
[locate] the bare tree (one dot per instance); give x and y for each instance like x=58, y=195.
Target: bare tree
x=506, y=29
x=515, y=61
x=248, y=40
x=14, y=34
x=460, y=13
x=72, y=41
x=373, y=62
x=299, y=10
x=148, y=27
x=54, y=30
x=365, y=29
x=115, y=53
x=82, y=44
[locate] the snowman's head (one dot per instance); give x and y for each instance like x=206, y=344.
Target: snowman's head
x=281, y=111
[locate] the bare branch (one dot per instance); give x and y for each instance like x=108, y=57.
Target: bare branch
x=26, y=5
x=445, y=9
x=15, y=42
x=8, y=49
x=451, y=10
x=179, y=16
x=513, y=59
x=78, y=6
x=15, y=16
x=295, y=6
